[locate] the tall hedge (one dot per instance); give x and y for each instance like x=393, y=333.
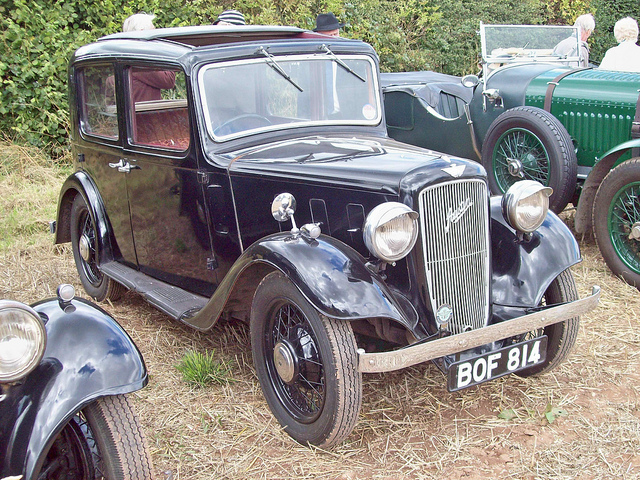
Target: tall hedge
x=39, y=36
x=607, y=13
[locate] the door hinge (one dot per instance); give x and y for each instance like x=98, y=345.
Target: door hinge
x=212, y=264
x=203, y=178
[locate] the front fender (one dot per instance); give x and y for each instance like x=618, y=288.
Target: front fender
x=80, y=183
x=331, y=275
x=88, y=355
x=523, y=270
x=593, y=181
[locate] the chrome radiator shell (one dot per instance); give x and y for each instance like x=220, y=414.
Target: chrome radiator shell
x=454, y=228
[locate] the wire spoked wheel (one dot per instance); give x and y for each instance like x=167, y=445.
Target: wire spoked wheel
x=616, y=220
x=306, y=364
x=85, y=246
x=296, y=367
x=520, y=155
x=528, y=143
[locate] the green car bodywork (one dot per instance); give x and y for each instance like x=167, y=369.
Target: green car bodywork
x=596, y=107
x=535, y=115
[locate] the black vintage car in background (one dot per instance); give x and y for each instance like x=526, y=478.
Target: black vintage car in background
x=257, y=181
x=535, y=114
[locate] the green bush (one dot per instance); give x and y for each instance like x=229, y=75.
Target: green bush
x=39, y=36
x=607, y=13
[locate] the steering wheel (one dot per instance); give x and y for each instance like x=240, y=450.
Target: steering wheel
x=242, y=122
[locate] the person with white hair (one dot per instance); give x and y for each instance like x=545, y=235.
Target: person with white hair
x=568, y=47
x=625, y=57
x=137, y=22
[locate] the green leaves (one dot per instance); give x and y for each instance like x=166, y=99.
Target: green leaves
x=508, y=414
x=39, y=36
x=550, y=415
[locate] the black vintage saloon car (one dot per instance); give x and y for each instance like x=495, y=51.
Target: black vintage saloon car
x=246, y=172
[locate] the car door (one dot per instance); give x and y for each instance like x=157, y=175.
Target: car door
x=164, y=189
x=98, y=149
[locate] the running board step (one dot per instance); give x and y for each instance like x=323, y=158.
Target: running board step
x=173, y=301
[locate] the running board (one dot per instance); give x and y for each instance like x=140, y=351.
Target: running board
x=173, y=301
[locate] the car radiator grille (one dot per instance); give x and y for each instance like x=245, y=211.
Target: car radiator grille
x=455, y=241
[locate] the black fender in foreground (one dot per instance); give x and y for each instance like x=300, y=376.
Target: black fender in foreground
x=80, y=183
x=524, y=269
x=332, y=276
x=88, y=355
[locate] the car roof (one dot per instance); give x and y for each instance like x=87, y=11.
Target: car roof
x=174, y=43
x=204, y=35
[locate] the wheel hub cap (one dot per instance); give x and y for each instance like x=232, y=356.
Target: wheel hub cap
x=285, y=361
x=635, y=232
x=515, y=167
x=84, y=247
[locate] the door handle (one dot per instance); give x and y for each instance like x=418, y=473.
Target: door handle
x=123, y=166
x=117, y=165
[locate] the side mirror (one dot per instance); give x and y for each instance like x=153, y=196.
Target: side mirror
x=283, y=207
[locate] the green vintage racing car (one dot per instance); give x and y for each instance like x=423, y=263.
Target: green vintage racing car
x=535, y=114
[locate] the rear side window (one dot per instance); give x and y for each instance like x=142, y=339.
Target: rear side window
x=399, y=110
x=97, y=101
x=158, y=115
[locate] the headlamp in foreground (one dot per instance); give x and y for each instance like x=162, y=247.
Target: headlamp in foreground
x=22, y=340
x=391, y=231
x=525, y=205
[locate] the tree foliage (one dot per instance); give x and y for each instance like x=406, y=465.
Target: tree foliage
x=39, y=36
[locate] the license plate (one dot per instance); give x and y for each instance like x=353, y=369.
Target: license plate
x=497, y=363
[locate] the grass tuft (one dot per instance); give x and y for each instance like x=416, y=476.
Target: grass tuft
x=202, y=369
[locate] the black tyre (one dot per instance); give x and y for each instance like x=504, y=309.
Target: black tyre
x=85, y=253
x=528, y=143
x=103, y=441
x=561, y=336
x=307, y=364
x=616, y=220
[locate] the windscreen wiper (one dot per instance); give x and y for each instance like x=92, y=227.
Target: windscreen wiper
x=273, y=64
x=326, y=49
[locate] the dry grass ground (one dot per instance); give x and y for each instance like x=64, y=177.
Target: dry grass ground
x=409, y=427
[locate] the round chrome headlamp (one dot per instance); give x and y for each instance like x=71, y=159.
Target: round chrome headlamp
x=391, y=231
x=22, y=340
x=525, y=205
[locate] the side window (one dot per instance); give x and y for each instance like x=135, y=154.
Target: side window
x=159, y=115
x=399, y=110
x=97, y=101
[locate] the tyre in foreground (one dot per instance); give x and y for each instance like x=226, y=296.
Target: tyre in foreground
x=306, y=364
x=104, y=440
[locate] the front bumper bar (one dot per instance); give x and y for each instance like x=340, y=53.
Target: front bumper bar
x=414, y=354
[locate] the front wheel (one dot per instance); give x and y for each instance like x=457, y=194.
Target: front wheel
x=84, y=243
x=616, y=220
x=103, y=441
x=528, y=143
x=307, y=364
x=560, y=336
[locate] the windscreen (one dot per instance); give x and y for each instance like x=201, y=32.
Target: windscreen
x=518, y=43
x=279, y=92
